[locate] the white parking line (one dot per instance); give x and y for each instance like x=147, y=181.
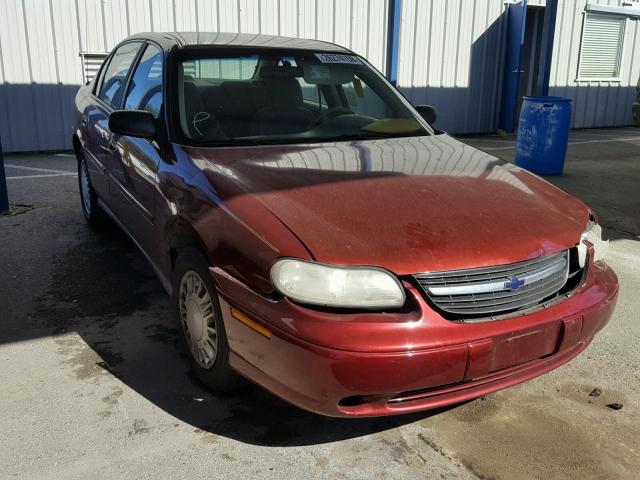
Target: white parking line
x=482, y=139
x=584, y=142
x=34, y=169
x=604, y=133
x=42, y=175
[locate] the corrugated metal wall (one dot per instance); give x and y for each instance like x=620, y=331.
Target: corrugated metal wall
x=451, y=53
x=595, y=103
x=40, y=41
x=450, y=57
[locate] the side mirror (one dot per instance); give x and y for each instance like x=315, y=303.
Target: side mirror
x=427, y=112
x=135, y=123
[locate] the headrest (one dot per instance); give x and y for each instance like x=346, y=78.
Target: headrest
x=284, y=91
x=192, y=98
x=238, y=97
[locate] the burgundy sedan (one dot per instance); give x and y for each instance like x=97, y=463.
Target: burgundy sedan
x=319, y=237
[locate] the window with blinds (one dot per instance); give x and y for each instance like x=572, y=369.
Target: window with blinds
x=601, y=48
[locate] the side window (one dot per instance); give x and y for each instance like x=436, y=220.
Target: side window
x=115, y=76
x=145, y=90
x=100, y=76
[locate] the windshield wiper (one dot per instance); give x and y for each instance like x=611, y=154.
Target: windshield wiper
x=353, y=136
x=287, y=140
x=230, y=142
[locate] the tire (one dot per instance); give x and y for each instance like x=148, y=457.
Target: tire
x=192, y=290
x=93, y=214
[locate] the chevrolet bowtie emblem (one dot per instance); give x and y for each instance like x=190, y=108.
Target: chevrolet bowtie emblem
x=514, y=283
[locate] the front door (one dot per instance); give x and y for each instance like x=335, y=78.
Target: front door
x=110, y=94
x=133, y=164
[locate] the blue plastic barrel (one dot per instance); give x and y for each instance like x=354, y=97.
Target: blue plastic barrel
x=543, y=133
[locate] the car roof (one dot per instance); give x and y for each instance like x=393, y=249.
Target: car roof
x=226, y=39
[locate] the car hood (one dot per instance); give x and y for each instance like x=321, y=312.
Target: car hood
x=406, y=204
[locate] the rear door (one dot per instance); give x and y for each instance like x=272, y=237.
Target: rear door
x=92, y=120
x=133, y=164
x=107, y=96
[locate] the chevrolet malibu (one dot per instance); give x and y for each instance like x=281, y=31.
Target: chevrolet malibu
x=321, y=238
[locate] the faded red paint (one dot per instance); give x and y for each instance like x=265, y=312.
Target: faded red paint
x=409, y=205
x=315, y=360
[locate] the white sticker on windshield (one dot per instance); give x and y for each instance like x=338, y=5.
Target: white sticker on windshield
x=338, y=58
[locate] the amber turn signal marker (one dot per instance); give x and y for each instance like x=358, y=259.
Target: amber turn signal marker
x=250, y=323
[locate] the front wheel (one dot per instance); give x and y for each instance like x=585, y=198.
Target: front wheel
x=200, y=322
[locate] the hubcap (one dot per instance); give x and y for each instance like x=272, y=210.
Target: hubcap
x=85, y=188
x=197, y=317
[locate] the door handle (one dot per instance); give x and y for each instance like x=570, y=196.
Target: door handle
x=112, y=145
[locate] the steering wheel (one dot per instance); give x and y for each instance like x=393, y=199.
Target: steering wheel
x=329, y=114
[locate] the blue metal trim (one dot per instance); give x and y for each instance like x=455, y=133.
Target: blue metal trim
x=4, y=199
x=393, y=40
x=525, y=5
x=516, y=18
x=546, y=50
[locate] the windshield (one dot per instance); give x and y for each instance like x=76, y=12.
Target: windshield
x=275, y=97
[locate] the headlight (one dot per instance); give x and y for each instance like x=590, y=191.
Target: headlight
x=333, y=286
x=593, y=235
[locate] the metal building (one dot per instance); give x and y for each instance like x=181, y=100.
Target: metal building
x=453, y=54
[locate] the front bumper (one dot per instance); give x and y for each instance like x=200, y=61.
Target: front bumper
x=369, y=364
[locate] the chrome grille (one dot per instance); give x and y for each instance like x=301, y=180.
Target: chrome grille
x=498, y=289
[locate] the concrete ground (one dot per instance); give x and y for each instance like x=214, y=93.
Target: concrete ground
x=92, y=382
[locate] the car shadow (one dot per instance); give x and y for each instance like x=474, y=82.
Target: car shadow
x=126, y=318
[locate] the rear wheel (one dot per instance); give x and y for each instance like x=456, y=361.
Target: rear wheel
x=93, y=214
x=200, y=322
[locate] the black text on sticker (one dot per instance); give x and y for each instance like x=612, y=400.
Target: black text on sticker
x=338, y=58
